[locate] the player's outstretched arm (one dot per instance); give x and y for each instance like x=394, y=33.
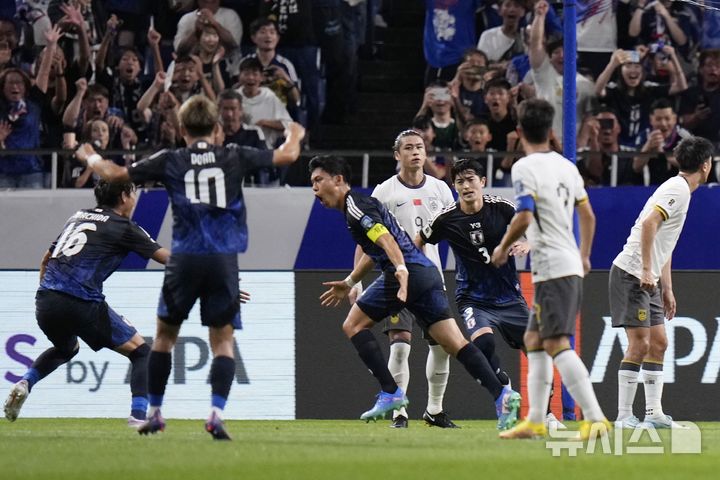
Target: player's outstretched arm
x=586, y=219
x=106, y=169
x=289, y=151
x=392, y=250
x=339, y=289
x=518, y=225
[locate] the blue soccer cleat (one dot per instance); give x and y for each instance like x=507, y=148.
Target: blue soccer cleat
x=155, y=423
x=386, y=402
x=215, y=427
x=507, y=407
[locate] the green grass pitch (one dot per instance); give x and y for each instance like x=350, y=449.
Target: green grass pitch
x=319, y=449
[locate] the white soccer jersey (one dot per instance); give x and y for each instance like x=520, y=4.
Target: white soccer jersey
x=556, y=186
x=672, y=200
x=415, y=206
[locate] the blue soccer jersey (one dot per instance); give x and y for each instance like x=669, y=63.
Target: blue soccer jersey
x=473, y=238
x=367, y=219
x=204, y=185
x=90, y=248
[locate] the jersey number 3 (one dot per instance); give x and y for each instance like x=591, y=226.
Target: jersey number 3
x=197, y=189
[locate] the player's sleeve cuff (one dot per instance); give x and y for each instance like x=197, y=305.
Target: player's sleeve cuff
x=662, y=212
x=376, y=232
x=582, y=201
x=525, y=203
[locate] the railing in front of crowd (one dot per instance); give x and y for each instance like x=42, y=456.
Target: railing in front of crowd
x=367, y=155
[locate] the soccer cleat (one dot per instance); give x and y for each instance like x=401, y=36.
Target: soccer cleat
x=400, y=421
x=599, y=429
x=551, y=422
x=16, y=398
x=155, y=423
x=661, y=421
x=385, y=402
x=135, y=422
x=438, y=420
x=507, y=407
x=215, y=427
x=632, y=422
x=525, y=429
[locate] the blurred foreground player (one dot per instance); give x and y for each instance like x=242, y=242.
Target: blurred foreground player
x=209, y=230
x=70, y=303
x=408, y=280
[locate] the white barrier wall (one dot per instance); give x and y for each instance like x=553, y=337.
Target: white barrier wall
x=96, y=384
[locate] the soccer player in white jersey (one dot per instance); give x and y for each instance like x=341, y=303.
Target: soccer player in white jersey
x=640, y=286
x=548, y=190
x=414, y=198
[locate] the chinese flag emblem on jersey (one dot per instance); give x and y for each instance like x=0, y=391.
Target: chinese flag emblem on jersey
x=417, y=201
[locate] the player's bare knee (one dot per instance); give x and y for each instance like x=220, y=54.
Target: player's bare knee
x=532, y=341
x=638, y=348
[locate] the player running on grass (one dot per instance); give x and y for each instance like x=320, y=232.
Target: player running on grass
x=408, y=280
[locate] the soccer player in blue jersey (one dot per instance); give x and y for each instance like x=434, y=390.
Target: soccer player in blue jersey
x=408, y=280
x=70, y=302
x=209, y=230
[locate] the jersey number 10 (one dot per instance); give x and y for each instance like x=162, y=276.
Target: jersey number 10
x=197, y=189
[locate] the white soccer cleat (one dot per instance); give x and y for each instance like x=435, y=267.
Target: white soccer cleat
x=662, y=421
x=552, y=422
x=135, y=422
x=15, y=400
x=628, y=423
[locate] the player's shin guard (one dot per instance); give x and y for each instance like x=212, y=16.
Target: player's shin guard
x=399, y=368
x=139, y=380
x=486, y=344
x=371, y=355
x=159, y=365
x=46, y=363
x=539, y=382
x=652, y=374
x=437, y=371
x=577, y=381
x=477, y=365
x=222, y=372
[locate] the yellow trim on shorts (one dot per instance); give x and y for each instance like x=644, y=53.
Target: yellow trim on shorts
x=582, y=201
x=631, y=362
x=376, y=232
x=656, y=362
x=662, y=211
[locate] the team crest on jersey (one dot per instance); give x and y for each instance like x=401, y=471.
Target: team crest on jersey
x=671, y=202
x=477, y=238
x=642, y=314
x=519, y=188
x=434, y=204
x=366, y=222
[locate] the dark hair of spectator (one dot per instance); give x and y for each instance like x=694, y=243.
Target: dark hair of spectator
x=251, y=63
x=498, y=82
x=198, y=115
x=230, y=94
x=553, y=44
x=25, y=78
x=535, y=117
x=661, y=104
x=477, y=121
x=185, y=58
x=475, y=51
x=109, y=194
x=464, y=164
x=437, y=83
x=422, y=123
x=132, y=50
x=331, y=165
x=261, y=22
x=97, y=89
x=404, y=134
x=711, y=53
x=692, y=152
x=605, y=109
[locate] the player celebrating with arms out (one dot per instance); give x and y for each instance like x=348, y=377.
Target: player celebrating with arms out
x=209, y=230
x=640, y=285
x=408, y=280
x=548, y=189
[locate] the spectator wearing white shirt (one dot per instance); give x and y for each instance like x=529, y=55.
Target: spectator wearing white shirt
x=209, y=12
x=504, y=42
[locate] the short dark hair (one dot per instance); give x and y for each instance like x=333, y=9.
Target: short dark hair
x=661, y=104
x=421, y=122
x=333, y=165
x=475, y=51
x=404, y=134
x=251, y=63
x=198, y=115
x=261, y=22
x=230, y=94
x=498, y=82
x=692, y=152
x=97, y=89
x=477, y=121
x=463, y=164
x=132, y=50
x=712, y=53
x=535, y=117
x=553, y=44
x=109, y=194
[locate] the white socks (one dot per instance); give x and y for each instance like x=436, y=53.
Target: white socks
x=539, y=383
x=653, y=380
x=577, y=381
x=437, y=370
x=400, y=370
x=627, y=387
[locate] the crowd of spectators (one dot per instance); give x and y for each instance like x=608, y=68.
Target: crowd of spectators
x=114, y=73
x=648, y=74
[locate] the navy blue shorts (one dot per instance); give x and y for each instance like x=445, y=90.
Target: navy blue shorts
x=63, y=318
x=211, y=278
x=510, y=320
x=426, y=296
